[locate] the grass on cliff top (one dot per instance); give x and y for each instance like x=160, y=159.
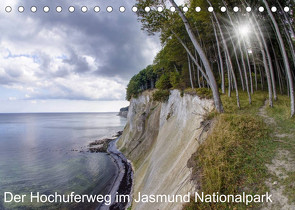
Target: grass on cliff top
x=201, y=92
x=233, y=157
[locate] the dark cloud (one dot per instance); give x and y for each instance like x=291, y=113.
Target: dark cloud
x=115, y=38
x=98, y=46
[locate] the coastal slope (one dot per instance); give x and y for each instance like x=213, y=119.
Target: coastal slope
x=160, y=138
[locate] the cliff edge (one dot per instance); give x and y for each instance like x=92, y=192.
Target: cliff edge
x=124, y=112
x=160, y=138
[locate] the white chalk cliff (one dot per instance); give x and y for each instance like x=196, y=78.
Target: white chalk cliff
x=159, y=139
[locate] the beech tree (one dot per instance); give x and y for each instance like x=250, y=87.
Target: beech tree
x=237, y=50
x=285, y=57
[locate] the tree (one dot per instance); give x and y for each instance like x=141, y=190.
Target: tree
x=209, y=72
x=285, y=57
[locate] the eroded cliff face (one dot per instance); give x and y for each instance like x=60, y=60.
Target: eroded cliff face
x=159, y=139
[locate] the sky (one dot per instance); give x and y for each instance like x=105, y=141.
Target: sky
x=70, y=62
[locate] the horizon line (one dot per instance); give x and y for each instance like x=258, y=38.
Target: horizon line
x=54, y=112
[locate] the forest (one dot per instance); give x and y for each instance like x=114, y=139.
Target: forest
x=227, y=47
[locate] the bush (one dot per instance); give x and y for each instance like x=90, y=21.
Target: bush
x=161, y=95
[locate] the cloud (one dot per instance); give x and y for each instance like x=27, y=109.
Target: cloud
x=12, y=98
x=73, y=56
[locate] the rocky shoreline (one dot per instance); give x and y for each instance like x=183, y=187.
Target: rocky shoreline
x=102, y=145
x=124, y=180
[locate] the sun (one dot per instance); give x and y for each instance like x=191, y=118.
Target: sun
x=244, y=30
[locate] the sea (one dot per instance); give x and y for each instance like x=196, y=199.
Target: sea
x=47, y=153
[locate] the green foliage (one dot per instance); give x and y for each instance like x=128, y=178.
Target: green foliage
x=231, y=158
x=175, y=79
x=164, y=82
x=161, y=95
x=210, y=115
x=204, y=93
x=144, y=80
x=132, y=88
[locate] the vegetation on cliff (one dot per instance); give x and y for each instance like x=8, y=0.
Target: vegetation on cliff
x=250, y=53
x=235, y=156
x=219, y=50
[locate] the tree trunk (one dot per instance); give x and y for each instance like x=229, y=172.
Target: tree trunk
x=175, y=68
x=213, y=84
x=249, y=67
x=269, y=62
x=191, y=56
x=238, y=63
x=220, y=58
x=229, y=62
x=242, y=58
x=190, y=71
x=245, y=71
x=285, y=57
x=198, y=71
x=228, y=76
x=255, y=71
x=194, y=74
x=264, y=62
x=261, y=78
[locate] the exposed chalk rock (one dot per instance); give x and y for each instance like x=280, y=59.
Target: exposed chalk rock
x=159, y=139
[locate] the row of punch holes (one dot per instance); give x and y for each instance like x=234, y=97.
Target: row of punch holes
x=122, y=9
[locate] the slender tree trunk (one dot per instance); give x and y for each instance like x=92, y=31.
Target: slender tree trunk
x=291, y=28
x=213, y=84
x=242, y=58
x=282, y=76
x=175, y=68
x=238, y=63
x=285, y=58
x=249, y=67
x=268, y=77
x=276, y=64
x=229, y=54
x=245, y=71
x=229, y=62
x=220, y=58
x=215, y=57
x=270, y=63
x=191, y=56
x=291, y=47
x=194, y=73
x=198, y=72
x=261, y=78
x=287, y=33
x=228, y=77
x=280, y=80
x=190, y=71
x=255, y=71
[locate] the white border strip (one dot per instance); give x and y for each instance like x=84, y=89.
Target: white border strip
x=122, y=9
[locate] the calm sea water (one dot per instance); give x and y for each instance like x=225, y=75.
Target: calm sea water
x=36, y=154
